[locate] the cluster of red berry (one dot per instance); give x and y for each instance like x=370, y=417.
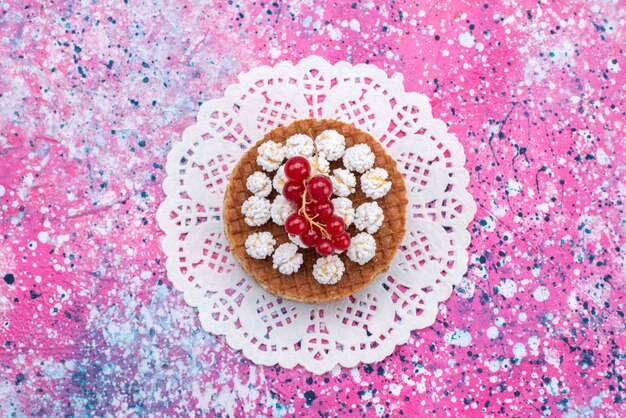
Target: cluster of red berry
x=314, y=222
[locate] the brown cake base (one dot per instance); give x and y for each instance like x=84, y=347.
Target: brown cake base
x=302, y=286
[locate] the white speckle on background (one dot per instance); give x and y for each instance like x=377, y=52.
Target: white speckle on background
x=552, y=356
x=2, y=190
x=553, y=387
x=43, y=237
x=519, y=351
x=544, y=207
x=571, y=300
x=334, y=33
x=507, y=288
x=541, y=294
x=513, y=187
x=421, y=386
x=274, y=52
x=54, y=370
x=533, y=343
x=466, y=288
x=492, y=333
x=467, y=40
x=355, y=25
x=601, y=156
x=534, y=72
x=613, y=66
x=395, y=389
x=488, y=224
x=458, y=337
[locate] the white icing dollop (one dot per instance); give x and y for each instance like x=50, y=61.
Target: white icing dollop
x=296, y=240
x=369, y=216
x=281, y=209
x=320, y=163
x=343, y=182
x=343, y=208
x=328, y=270
x=374, y=183
x=280, y=179
x=330, y=144
x=299, y=144
x=259, y=184
x=260, y=245
x=286, y=258
x=256, y=210
x=271, y=155
x=362, y=248
x=359, y=158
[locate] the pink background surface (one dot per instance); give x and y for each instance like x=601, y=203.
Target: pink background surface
x=92, y=97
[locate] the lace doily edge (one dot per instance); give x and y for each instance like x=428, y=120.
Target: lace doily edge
x=401, y=337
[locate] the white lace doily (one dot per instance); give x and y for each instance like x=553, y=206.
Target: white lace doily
x=367, y=326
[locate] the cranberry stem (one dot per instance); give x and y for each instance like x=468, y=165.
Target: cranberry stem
x=321, y=227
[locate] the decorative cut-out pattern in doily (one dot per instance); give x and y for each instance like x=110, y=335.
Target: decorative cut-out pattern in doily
x=367, y=326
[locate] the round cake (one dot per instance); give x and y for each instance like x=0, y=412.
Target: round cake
x=254, y=237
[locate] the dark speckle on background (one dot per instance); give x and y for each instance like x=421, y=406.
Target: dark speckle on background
x=310, y=396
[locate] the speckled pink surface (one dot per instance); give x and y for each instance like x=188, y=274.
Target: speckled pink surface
x=92, y=97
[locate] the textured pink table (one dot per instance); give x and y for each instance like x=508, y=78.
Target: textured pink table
x=92, y=99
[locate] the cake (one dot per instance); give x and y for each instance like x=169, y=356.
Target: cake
x=332, y=230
